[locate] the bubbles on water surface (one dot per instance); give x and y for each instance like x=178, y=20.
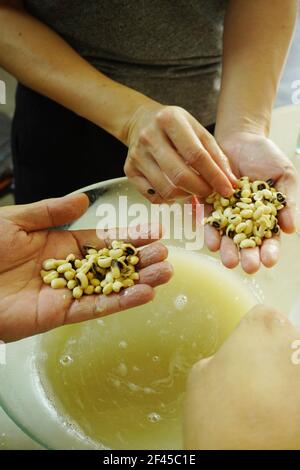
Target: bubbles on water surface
x=122, y=369
x=154, y=417
x=180, y=302
x=66, y=360
x=133, y=387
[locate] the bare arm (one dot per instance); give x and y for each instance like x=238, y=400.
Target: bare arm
x=257, y=35
x=43, y=61
x=256, y=39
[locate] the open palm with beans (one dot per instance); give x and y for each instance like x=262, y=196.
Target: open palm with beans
x=258, y=158
x=27, y=305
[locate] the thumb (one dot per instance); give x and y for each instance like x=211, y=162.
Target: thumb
x=47, y=213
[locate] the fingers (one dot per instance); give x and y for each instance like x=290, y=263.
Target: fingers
x=269, y=252
x=189, y=146
x=287, y=217
x=166, y=184
x=229, y=253
x=250, y=260
x=287, y=184
x=212, y=238
x=214, y=150
x=250, y=257
x=90, y=307
x=139, y=235
x=142, y=184
x=181, y=176
x=156, y=274
x=154, y=253
x=48, y=213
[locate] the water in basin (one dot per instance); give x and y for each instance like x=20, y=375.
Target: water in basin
x=120, y=380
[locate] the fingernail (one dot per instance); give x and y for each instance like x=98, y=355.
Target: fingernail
x=227, y=192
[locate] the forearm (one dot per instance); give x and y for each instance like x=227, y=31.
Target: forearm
x=257, y=35
x=43, y=61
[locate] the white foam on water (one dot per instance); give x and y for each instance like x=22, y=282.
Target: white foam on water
x=180, y=302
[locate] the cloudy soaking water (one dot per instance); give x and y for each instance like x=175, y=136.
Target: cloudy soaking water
x=120, y=380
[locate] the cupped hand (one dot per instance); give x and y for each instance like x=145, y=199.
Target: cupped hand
x=170, y=155
x=247, y=395
x=259, y=158
x=27, y=305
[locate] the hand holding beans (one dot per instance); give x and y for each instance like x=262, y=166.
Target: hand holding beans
x=249, y=216
x=27, y=305
x=257, y=157
x=170, y=155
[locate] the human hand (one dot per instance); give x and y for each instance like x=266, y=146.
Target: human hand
x=247, y=395
x=27, y=305
x=259, y=158
x=170, y=155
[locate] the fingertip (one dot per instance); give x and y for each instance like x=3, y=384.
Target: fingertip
x=226, y=191
x=138, y=294
x=165, y=272
x=250, y=260
x=234, y=181
x=269, y=253
x=68, y=208
x=230, y=262
x=229, y=253
x=250, y=269
x=156, y=274
x=286, y=218
x=80, y=199
x=169, y=271
x=212, y=238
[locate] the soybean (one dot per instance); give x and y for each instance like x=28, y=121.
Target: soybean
x=249, y=216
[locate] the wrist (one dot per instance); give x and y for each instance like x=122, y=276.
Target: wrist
x=110, y=105
x=226, y=126
x=141, y=116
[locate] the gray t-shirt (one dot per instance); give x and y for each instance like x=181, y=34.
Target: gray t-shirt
x=169, y=50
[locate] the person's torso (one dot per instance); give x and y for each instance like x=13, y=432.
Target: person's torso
x=142, y=42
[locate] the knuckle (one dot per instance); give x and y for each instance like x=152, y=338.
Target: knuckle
x=133, y=157
x=194, y=156
x=266, y=317
x=180, y=177
x=217, y=180
x=166, y=115
x=127, y=168
x=206, y=137
x=168, y=193
x=145, y=137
